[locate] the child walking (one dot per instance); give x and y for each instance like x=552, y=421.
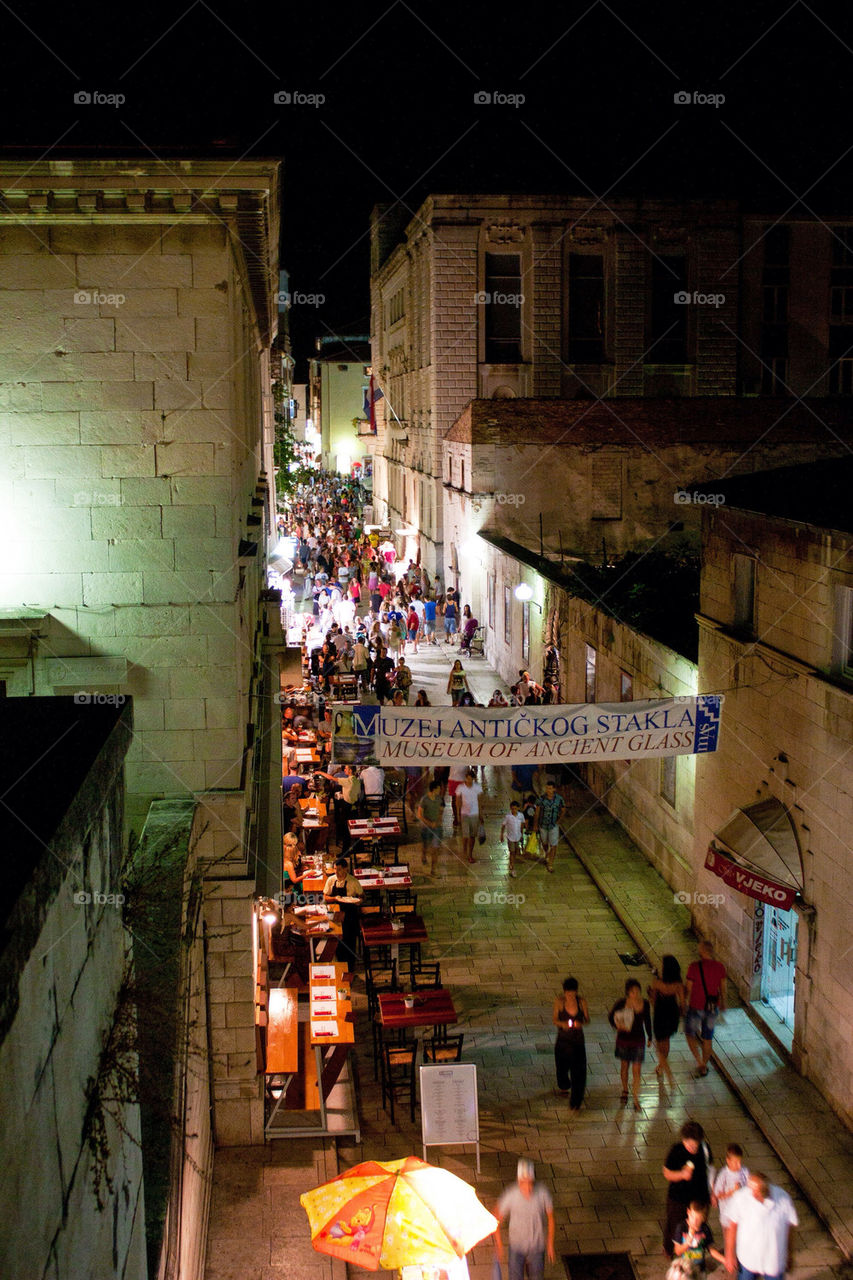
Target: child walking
x=511, y=827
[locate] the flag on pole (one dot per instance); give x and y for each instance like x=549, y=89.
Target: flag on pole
x=371, y=395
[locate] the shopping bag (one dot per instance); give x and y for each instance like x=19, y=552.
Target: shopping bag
x=532, y=846
x=481, y=833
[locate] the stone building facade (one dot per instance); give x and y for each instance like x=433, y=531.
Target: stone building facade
x=338, y=384
x=136, y=316
x=538, y=296
x=651, y=299
x=601, y=479
x=776, y=633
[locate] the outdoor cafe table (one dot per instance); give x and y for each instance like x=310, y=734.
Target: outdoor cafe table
x=315, y=819
x=374, y=829
x=433, y=1007
x=314, y=1042
x=315, y=925
x=394, y=877
x=314, y=873
x=379, y=933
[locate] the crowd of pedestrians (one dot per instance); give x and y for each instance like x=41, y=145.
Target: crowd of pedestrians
x=642, y=1022
x=757, y=1219
x=368, y=614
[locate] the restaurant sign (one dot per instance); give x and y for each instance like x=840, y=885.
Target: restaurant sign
x=585, y=732
x=749, y=882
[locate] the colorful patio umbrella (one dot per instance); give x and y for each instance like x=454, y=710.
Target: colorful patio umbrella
x=396, y=1213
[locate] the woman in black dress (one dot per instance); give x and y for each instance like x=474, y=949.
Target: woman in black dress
x=669, y=1000
x=570, y=1014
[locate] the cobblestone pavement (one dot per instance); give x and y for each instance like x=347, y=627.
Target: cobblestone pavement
x=505, y=946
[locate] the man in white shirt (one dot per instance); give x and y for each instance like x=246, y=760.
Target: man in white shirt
x=468, y=797
x=373, y=781
x=760, y=1232
x=346, y=612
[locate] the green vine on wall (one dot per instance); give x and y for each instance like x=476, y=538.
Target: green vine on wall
x=113, y=1088
x=162, y=914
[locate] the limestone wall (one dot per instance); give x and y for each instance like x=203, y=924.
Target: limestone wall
x=50, y=1221
x=173, y=1028
x=593, y=497
x=237, y=1087
x=632, y=790
x=787, y=732
x=131, y=419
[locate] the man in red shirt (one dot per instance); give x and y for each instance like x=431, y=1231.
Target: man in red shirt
x=706, y=1000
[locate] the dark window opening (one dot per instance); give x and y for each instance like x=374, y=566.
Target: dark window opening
x=503, y=308
x=586, y=308
x=667, y=339
x=841, y=360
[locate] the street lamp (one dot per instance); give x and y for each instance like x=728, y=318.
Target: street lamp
x=525, y=593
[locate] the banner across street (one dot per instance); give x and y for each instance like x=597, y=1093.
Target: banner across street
x=523, y=735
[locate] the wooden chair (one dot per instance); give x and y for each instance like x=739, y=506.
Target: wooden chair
x=377, y=957
x=443, y=1048
x=388, y=846
x=404, y=901
x=398, y=1074
x=378, y=982
x=426, y=975
x=395, y=800
x=374, y=806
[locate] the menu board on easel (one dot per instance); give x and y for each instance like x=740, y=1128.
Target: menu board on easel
x=449, y=1113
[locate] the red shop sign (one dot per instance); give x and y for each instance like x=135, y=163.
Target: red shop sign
x=749, y=882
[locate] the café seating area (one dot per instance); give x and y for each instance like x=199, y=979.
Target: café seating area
x=313, y=999
x=310, y=1008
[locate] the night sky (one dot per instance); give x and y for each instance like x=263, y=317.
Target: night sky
x=400, y=118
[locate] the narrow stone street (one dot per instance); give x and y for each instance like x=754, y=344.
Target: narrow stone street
x=504, y=947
